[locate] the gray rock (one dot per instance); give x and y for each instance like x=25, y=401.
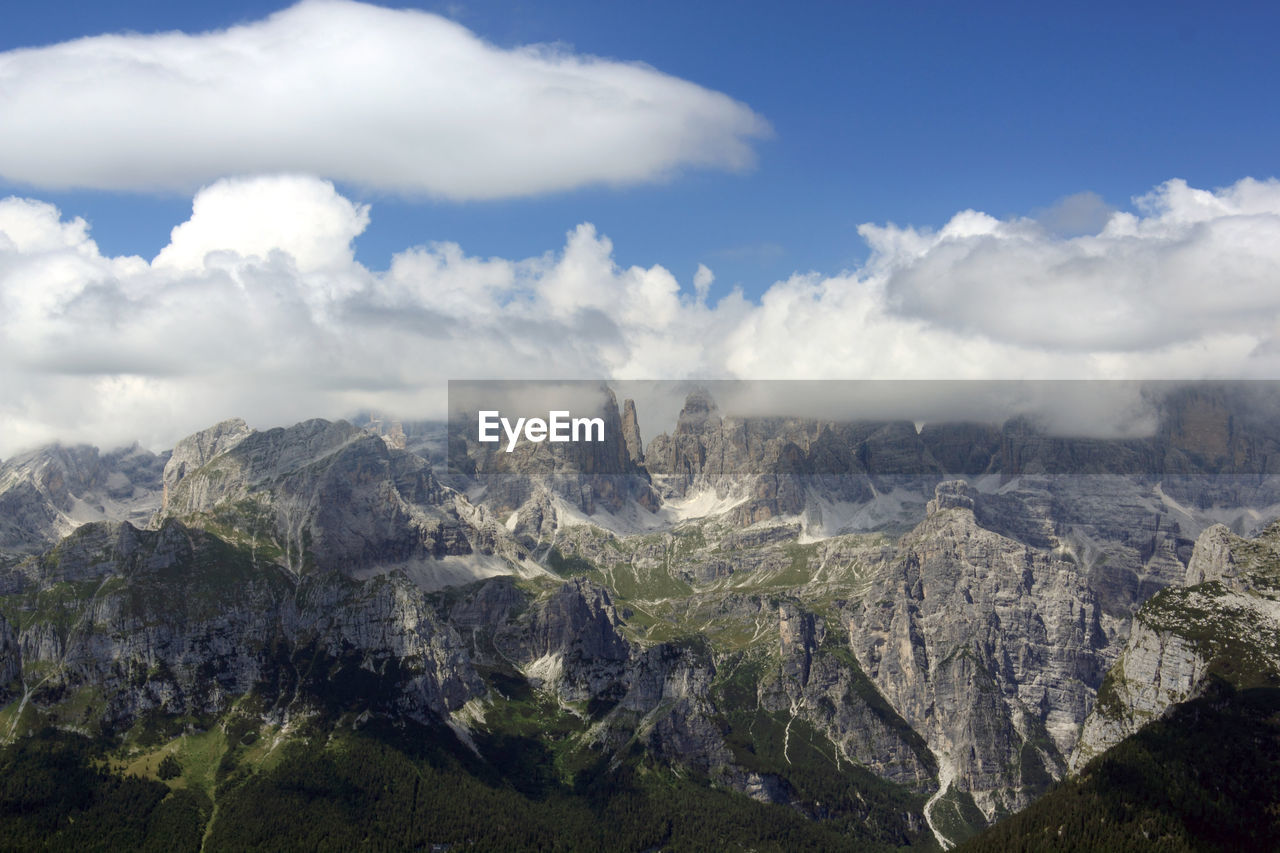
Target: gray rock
x=176, y=620
x=1225, y=622
x=631, y=433
x=590, y=475
x=324, y=496
x=989, y=648
x=10, y=659
x=196, y=450
x=47, y=493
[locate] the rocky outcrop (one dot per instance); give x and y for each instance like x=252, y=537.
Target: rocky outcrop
x=631, y=433
x=1214, y=558
x=198, y=449
x=387, y=627
x=1225, y=624
x=568, y=642
x=10, y=659
x=1156, y=670
x=1238, y=564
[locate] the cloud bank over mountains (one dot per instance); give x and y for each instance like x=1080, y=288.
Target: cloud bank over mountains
x=258, y=307
x=393, y=100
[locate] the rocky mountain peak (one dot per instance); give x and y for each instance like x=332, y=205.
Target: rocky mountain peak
x=197, y=449
x=952, y=494
x=1239, y=564
x=1221, y=626
x=699, y=412
x=1213, y=558
x=631, y=432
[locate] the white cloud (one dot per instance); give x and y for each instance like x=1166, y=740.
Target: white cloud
x=1191, y=263
x=702, y=281
x=304, y=218
x=395, y=100
x=258, y=309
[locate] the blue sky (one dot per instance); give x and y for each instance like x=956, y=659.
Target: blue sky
x=881, y=112
x=281, y=212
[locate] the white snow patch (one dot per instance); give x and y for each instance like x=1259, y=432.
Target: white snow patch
x=462, y=720
x=634, y=519
x=98, y=507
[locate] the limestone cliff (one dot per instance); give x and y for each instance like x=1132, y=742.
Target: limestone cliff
x=988, y=647
x=1224, y=624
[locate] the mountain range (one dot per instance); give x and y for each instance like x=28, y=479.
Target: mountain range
x=766, y=632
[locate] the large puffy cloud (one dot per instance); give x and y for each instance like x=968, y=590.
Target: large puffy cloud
x=258, y=308
x=390, y=99
x=1191, y=262
x=302, y=217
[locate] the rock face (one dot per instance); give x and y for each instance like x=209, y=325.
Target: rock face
x=325, y=496
x=829, y=691
x=990, y=648
x=47, y=493
x=774, y=463
x=631, y=433
x=1224, y=624
x=195, y=451
x=1157, y=670
x=1223, y=428
x=177, y=620
x=569, y=642
x=1240, y=565
x=10, y=659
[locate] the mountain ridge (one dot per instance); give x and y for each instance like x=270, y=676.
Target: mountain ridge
x=881, y=643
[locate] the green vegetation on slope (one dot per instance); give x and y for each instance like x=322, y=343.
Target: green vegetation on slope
x=55, y=795
x=381, y=788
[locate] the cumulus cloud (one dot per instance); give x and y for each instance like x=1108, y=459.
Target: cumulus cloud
x=396, y=100
x=258, y=308
x=1190, y=264
x=299, y=216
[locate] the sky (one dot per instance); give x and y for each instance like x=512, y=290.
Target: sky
x=279, y=212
